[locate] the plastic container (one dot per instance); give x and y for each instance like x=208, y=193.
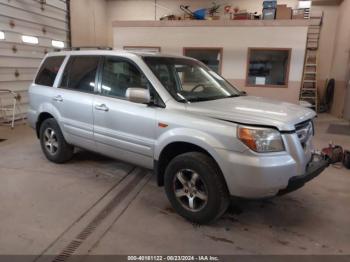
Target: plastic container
x=269, y=4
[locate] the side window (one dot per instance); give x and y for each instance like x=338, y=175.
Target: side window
x=49, y=70
x=118, y=75
x=80, y=73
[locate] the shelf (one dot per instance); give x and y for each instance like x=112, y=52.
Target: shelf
x=211, y=23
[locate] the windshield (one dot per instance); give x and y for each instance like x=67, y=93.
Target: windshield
x=189, y=81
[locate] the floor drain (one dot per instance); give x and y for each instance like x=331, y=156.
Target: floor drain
x=70, y=249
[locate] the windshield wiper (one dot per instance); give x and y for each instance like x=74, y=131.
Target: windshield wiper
x=233, y=95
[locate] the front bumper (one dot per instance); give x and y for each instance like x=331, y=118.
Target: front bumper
x=314, y=168
x=255, y=177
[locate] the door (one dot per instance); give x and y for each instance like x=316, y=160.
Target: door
x=75, y=100
x=123, y=129
x=43, y=21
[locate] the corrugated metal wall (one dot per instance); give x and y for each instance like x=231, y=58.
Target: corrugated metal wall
x=45, y=19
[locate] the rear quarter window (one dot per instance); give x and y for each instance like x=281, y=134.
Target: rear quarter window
x=48, y=71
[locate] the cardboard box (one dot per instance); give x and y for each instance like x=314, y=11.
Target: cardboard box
x=283, y=12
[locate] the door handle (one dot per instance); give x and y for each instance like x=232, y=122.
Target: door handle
x=58, y=98
x=102, y=107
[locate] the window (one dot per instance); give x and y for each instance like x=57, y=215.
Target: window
x=2, y=35
x=268, y=67
x=80, y=73
x=188, y=81
x=30, y=39
x=149, y=49
x=118, y=75
x=304, y=4
x=57, y=44
x=48, y=71
x=209, y=56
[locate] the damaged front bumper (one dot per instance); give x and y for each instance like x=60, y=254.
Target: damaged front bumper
x=315, y=167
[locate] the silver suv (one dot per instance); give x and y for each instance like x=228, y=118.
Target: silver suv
x=204, y=139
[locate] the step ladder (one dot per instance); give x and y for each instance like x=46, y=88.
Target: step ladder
x=308, y=90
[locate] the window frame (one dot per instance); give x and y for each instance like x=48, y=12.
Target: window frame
x=287, y=70
x=121, y=58
x=220, y=49
x=67, y=64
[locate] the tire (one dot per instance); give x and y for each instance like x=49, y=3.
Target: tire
x=209, y=193
x=53, y=145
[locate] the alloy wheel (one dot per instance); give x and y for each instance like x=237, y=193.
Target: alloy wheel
x=190, y=190
x=50, y=141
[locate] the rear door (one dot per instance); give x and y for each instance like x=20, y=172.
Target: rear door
x=75, y=99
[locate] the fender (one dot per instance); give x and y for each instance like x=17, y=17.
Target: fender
x=192, y=136
x=52, y=110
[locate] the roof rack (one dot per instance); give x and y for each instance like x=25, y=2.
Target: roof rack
x=92, y=47
x=76, y=48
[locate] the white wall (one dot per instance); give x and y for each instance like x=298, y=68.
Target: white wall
x=234, y=41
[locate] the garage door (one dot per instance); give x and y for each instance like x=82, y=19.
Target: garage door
x=28, y=30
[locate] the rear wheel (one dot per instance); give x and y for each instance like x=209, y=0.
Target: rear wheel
x=53, y=144
x=196, y=188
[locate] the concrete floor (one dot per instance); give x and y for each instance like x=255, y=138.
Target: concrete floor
x=96, y=205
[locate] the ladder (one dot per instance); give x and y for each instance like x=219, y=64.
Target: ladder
x=308, y=90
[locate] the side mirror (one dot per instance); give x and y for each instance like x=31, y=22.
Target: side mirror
x=138, y=95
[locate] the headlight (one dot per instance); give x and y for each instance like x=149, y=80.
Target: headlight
x=261, y=140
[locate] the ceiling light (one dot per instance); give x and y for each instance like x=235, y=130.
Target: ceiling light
x=58, y=44
x=30, y=39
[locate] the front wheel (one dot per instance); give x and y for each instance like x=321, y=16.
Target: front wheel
x=196, y=188
x=53, y=144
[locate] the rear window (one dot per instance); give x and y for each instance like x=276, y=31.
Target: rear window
x=80, y=73
x=48, y=71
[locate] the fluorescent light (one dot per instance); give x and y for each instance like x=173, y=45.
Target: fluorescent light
x=30, y=39
x=2, y=35
x=304, y=4
x=58, y=44
x=107, y=88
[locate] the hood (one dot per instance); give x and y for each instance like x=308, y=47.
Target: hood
x=254, y=111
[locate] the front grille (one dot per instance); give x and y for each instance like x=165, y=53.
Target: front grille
x=304, y=131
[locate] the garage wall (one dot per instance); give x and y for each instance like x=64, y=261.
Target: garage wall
x=19, y=61
x=234, y=40
x=326, y=43
x=341, y=62
x=334, y=53
x=89, y=22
